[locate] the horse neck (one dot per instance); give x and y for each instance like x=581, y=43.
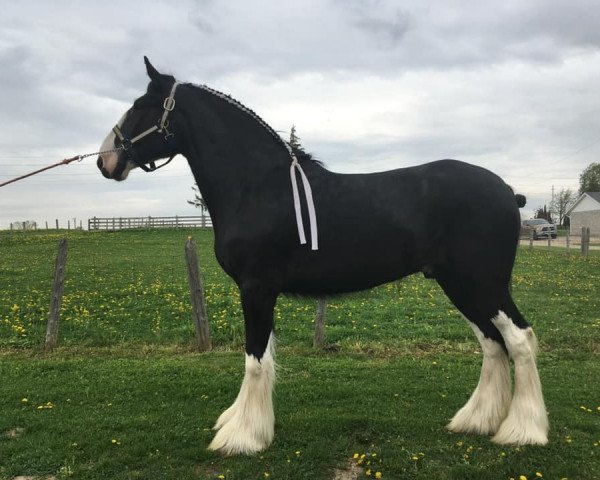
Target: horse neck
x=230, y=153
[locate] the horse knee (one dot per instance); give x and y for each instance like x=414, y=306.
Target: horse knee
x=521, y=343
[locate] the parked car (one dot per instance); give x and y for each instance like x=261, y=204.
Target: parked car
x=540, y=227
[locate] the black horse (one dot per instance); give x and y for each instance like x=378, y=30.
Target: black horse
x=455, y=222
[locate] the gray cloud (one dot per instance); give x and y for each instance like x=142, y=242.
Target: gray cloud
x=387, y=27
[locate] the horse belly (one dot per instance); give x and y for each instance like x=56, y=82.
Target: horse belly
x=347, y=271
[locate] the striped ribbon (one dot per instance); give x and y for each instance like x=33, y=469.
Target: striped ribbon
x=312, y=215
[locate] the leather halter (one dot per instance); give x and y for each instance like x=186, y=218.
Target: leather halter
x=163, y=123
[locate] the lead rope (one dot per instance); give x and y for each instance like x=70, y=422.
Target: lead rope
x=312, y=215
x=66, y=161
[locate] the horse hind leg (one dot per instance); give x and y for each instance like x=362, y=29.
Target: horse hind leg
x=527, y=419
x=488, y=405
x=247, y=426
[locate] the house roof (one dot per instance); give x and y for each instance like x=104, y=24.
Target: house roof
x=593, y=195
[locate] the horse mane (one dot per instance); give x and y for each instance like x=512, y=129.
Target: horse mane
x=304, y=156
x=298, y=152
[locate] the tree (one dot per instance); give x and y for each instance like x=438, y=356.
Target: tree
x=589, y=180
x=198, y=201
x=561, y=203
x=26, y=225
x=542, y=212
x=294, y=139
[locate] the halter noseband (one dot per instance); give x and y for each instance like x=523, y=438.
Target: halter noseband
x=162, y=126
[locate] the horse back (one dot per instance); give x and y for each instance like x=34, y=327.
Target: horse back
x=378, y=227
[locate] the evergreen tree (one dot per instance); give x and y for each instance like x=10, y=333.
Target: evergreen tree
x=542, y=212
x=295, y=139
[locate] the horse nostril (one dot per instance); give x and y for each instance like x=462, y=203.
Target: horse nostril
x=100, y=162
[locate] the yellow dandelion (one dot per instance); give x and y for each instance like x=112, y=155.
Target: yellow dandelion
x=378, y=475
x=24, y=400
x=522, y=477
x=538, y=474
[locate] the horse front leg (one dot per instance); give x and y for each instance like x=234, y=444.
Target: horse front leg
x=248, y=425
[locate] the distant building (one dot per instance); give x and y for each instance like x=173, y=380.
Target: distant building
x=585, y=212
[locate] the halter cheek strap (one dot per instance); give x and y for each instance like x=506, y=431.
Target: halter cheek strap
x=162, y=126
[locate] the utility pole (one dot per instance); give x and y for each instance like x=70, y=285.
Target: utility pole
x=553, y=204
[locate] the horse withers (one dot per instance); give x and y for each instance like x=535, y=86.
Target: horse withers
x=457, y=223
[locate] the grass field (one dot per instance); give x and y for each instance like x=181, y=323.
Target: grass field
x=126, y=397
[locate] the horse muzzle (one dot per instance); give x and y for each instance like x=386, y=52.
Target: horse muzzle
x=112, y=167
x=103, y=170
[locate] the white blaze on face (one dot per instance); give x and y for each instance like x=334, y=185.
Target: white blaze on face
x=109, y=160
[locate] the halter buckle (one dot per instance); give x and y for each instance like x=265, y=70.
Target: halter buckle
x=126, y=144
x=169, y=104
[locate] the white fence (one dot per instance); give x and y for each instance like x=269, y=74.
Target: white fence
x=124, y=223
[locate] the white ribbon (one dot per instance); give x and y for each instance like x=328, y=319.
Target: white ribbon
x=312, y=215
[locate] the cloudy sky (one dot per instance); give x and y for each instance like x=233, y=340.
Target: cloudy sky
x=511, y=85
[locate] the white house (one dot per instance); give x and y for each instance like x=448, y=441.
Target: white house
x=585, y=212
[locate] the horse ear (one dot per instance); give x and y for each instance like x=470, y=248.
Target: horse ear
x=152, y=72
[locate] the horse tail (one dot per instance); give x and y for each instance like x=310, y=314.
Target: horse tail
x=521, y=200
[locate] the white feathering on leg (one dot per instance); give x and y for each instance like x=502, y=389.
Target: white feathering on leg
x=488, y=405
x=527, y=419
x=248, y=425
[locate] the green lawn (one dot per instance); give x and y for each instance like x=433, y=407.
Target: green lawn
x=125, y=396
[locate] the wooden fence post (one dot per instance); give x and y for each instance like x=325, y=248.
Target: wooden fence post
x=320, y=324
x=57, y=291
x=585, y=241
x=530, y=239
x=197, y=296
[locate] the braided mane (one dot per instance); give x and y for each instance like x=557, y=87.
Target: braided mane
x=298, y=153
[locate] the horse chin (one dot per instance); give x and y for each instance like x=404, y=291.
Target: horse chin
x=125, y=173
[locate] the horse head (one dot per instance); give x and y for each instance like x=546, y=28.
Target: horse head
x=145, y=133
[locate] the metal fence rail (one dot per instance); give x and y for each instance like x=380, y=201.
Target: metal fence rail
x=124, y=223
